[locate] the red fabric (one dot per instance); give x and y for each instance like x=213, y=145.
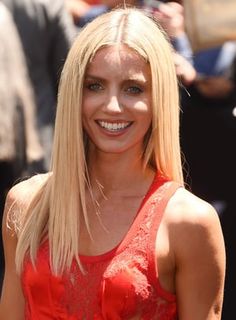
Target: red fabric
x=94, y=2
x=118, y=285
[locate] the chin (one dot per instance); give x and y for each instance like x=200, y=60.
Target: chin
x=119, y=149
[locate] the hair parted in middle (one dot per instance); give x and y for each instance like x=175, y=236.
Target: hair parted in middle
x=63, y=196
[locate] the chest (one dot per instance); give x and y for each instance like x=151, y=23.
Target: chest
x=120, y=282
x=110, y=225
x=116, y=285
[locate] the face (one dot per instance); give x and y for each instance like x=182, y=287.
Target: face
x=116, y=106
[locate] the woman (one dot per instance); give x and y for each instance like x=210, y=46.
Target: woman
x=111, y=233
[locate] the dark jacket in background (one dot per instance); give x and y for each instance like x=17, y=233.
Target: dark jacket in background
x=47, y=31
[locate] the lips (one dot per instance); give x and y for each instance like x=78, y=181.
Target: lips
x=114, y=126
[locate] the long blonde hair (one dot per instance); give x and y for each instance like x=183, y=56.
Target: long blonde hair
x=59, y=205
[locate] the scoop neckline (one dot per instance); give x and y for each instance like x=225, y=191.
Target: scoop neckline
x=157, y=181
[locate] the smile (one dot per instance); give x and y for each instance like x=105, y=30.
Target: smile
x=114, y=126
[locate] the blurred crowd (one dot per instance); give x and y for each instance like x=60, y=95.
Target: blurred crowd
x=35, y=38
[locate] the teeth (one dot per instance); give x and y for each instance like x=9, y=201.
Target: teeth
x=113, y=126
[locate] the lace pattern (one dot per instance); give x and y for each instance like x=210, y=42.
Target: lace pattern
x=117, y=287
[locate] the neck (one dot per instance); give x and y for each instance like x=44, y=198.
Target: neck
x=118, y=173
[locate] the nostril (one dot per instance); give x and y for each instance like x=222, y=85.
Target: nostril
x=114, y=105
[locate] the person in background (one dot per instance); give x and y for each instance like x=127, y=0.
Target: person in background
x=170, y=15
x=84, y=11
x=19, y=141
x=208, y=125
x=111, y=232
x=46, y=31
x=208, y=130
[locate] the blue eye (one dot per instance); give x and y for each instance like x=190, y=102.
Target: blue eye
x=134, y=90
x=94, y=86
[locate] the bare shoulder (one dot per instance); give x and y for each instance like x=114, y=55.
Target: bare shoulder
x=17, y=202
x=18, y=199
x=22, y=192
x=193, y=223
x=186, y=208
x=197, y=246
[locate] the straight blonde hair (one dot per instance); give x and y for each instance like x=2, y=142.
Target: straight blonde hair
x=58, y=206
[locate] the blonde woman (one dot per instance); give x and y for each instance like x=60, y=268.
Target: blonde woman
x=111, y=232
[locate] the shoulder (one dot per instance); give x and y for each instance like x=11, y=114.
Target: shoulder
x=197, y=247
x=185, y=207
x=18, y=199
x=25, y=189
x=193, y=224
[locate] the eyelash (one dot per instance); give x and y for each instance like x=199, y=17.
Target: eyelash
x=94, y=86
x=134, y=90
x=130, y=89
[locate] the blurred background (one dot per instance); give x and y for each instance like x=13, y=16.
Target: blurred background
x=203, y=34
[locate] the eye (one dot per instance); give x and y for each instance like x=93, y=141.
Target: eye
x=134, y=90
x=95, y=86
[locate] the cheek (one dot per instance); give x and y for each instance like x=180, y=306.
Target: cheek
x=91, y=106
x=144, y=111
x=86, y=116
x=88, y=109
x=143, y=105
x=146, y=121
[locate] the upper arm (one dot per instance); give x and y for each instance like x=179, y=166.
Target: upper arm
x=200, y=264
x=12, y=301
x=17, y=201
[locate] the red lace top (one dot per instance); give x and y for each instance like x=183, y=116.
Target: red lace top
x=120, y=284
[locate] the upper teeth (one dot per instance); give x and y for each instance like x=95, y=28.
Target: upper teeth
x=113, y=126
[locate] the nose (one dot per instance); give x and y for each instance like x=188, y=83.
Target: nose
x=113, y=104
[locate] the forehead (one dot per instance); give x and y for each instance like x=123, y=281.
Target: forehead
x=118, y=59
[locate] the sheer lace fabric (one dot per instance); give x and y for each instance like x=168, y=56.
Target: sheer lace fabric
x=118, y=285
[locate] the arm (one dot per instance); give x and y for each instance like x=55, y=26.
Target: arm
x=171, y=18
x=12, y=300
x=200, y=262
x=18, y=199
x=184, y=70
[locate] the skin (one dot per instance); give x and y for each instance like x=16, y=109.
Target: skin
x=171, y=17
x=11, y=292
x=117, y=90
x=189, y=245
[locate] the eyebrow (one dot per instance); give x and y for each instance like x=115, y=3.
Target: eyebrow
x=132, y=78
x=89, y=76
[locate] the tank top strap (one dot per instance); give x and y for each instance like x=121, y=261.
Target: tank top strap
x=159, y=206
x=140, y=228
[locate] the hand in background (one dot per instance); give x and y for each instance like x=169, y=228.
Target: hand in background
x=171, y=17
x=185, y=71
